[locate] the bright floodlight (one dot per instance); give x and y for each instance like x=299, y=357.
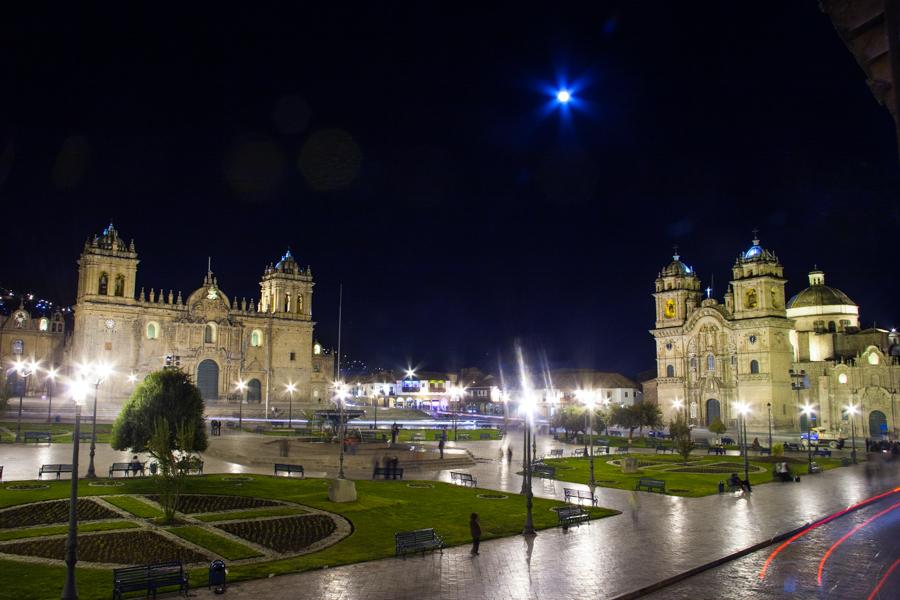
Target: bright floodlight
x=563, y=96
x=807, y=409
x=291, y=387
x=78, y=389
x=852, y=410
x=241, y=385
x=410, y=373
x=677, y=404
x=132, y=377
x=742, y=408
x=587, y=397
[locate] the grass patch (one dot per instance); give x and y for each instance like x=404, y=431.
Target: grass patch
x=137, y=507
x=251, y=514
x=53, y=512
x=215, y=543
x=118, y=548
x=60, y=432
x=406, y=435
x=669, y=469
x=18, y=534
x=287, y=534
x=202, y=503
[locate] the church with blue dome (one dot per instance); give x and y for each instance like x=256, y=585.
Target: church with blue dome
x=774, y=353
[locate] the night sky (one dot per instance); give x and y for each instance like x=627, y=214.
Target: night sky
x=413, y=152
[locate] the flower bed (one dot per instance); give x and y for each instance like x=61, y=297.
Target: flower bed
x=190, y=504
x=53, y=512
x=132, y=548
x=291, y=534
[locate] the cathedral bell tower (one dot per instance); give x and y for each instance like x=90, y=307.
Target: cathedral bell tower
x=757, y=287
x=107, y=269
x=286, y=289
x=677, y=293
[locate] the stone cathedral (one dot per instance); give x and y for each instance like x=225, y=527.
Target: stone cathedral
x=219, y=340
x=773, y=353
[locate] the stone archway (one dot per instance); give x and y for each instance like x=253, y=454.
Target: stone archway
x=254, y=391
x=208, y=379
x=877, y=424
x=713, y=411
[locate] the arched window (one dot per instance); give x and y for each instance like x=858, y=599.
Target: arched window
x=152, y=330
x=120, y=285
x=752, y=300
x=693, y=363
x=317, y=348
x=103, y=284
x=287, y=303
x=710, y=363
x=209, y=334
x=831, y=327
x=256, y=338
x=670, y=371
x=44, y=324
x=754, y=367
x=299, y=303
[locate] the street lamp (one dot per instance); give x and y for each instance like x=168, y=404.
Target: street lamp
x=527, y=405
x=809, y=411
x=852, y=411
x=504, y=396
x=742, y=409
x=769, y=408
x=291, y=388
x=52, y=373
x=455, y=393
x=70, y=590
x=241, y=386
x=132, y=378
x=24, y=370
x=340, y=393
x=97, y=373
x=589, y=399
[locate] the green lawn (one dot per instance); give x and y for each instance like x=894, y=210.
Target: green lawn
x=135, y=506
x=251, y=514
x=383, y=508
x=222, y=546
x=577, y=470
x=60, y=529
x=60, y=432
x=406, y=435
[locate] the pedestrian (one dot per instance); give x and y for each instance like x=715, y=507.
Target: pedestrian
x=136, y=465
x=509, y=454
x=395, y=465
x=394, y=431
x=441, y=447
x=475, y=530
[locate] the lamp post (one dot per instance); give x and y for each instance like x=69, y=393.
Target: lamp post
x=455, y=393
x=291, y=388
x=589, y=398
x=241, y=386
x=52, y=372
x=340, y=392
x=24, y=370
x=97, y=373
x=504, y=395
x=808, y=410
x=742, y=410
x=769, y=409
x=70, y=590
x=852, y=411
x=527, y=405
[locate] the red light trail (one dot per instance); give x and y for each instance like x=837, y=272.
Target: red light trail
x=847, y=535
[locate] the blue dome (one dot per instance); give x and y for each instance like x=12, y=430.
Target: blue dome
x=754, y=251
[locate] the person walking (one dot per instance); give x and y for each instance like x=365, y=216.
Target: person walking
x=441, y=447
x=509, y=454
x=394, y=431
x=475, y=530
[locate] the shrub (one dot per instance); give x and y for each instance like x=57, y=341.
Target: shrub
x=777, y=449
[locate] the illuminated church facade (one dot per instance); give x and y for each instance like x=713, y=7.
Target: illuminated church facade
x=777, y=355
x=266, y=345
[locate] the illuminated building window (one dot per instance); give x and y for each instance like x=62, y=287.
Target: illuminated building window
x=256, y=338
x=710, y=363
x=209, y=334
x=44, y=324
x=152, y=331
x=103, y=284
x=120, y=285
x=670, y=371
x=754, y=367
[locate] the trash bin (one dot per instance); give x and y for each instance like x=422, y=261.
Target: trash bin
x=721, y=487
x=217, y=576
x=153, y=468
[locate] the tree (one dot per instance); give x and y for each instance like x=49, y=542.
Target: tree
x=628, y=417
x=649, y=416
x=681, y=438
x=570, y=419
x=164, y=416
x=717, y=426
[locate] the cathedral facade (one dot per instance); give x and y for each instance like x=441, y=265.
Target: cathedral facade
x=257, y=351
x=776, y=355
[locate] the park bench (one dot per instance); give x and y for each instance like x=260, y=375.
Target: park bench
x=37, y=436
x=279, y=424
x=419, y=539
x=195, y=467
x=149, y=578
x=604, y=449
x=56, y=468
x=622, y=450
x=85, y=436
x=792, y=447
x=651, y=484
x=418, y=437
x=715, y=450
x=466, y=479
x=664, y=449
x=704, y=443
x=387, y=473
x=571, y=515
x=285, y=468
x=556, y=453
x=579, y=495
x=578, y=452
x=822, y=452
x=542, y=470
x=370, y=436
x=765, y=451
x=463, y=436
x=484, y=436
x=728, y=441
x=125, y=467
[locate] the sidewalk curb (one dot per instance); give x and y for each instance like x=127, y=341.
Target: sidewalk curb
x=654, y=587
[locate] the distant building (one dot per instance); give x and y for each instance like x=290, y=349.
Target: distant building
x=24, y=336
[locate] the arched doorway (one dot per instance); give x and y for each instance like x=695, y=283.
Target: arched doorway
x=804, y=423
x=877, y=423
x=713, y=411
x=208, y=379
x=254, y=391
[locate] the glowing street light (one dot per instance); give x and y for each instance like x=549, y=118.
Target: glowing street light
x=340, y=393
x=563, y=96
x=808, y=410
x=852, y=411
x=742, y=410
x=132, y=377
x=589, y=399
x=456, y=392
x=291, y=387
x=78, y=391
x=52, y=374
x=97, y=373
x=526, y=405
x=241, y=386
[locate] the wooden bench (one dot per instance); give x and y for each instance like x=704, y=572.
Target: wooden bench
x=651, y=484
x=285, y=468
x=542, y=470
x=149, y=578
x=765, y=451
x=578, y=452
x=85, y=436
x=571, y=515
x=419, y=539
x=717, y=450
x=59, y=469
x=604, y=449
x=792, y=447
x=387, y=473
x=579, y=495
x=37, y=436
x=622, y=450
x=466, y=479
x=125, y=467
x=822, y=452
x=556, y=453
x=195, y=467
x=463, y=436
x=664, y=449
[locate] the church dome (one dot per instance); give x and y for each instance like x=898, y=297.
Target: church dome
x=676, y=267
x=757, y=253
x=819, y=294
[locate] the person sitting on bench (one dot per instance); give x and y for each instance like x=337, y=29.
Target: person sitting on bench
x=783, y=472
x=736, y=482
